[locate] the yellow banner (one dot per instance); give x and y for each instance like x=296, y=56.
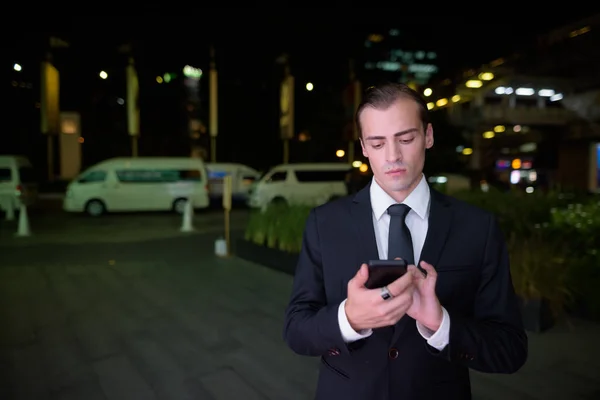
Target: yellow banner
x=214, y=104
x=49, y=99
x=133, y=109
x=357, y=100
x=286, y=119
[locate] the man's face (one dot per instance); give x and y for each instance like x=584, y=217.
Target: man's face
x=394, y=141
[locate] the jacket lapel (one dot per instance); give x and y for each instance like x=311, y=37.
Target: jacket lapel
x=362, y=215
x=440, y=221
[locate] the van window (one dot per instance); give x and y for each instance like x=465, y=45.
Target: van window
x=217, y=175
x=158, y=175
x=248, y=179
x=188, y=175
x=321, y=175
x=27, y=175
x=94, y=176
x=5, y=175
x=280, y=176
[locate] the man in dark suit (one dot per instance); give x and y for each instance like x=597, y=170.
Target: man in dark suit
x=418, y=337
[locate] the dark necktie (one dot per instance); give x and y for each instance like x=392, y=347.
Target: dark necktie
x=400, y=241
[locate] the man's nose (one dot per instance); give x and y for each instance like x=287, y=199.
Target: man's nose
x=393, y=152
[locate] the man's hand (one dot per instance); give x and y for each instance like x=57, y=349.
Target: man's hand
x=425, y=308
x=366, y=309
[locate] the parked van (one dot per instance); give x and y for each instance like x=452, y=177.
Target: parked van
x=242, y=179
x=139, y=184
x=308, y=183
x=18, y=183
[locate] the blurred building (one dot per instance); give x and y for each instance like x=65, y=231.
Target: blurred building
x=391, y=56
x=384, y=56
x=532, y=118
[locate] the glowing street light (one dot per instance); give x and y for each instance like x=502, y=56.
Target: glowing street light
x=309, y=86
x=191, y=72
x=17, y=67
x=340, y=153
x=103, y=75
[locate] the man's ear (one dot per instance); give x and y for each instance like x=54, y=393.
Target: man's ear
x=362, y=146
x=429, y=137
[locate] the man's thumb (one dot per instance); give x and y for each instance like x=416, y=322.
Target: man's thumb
x=361, y=276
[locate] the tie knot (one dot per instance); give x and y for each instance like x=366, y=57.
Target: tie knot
x=399, y=210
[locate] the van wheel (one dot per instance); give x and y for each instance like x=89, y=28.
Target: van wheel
x=279, y=201
x=179, y=206
x=95, y=208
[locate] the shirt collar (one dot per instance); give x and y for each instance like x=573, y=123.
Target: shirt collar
x=418, y=200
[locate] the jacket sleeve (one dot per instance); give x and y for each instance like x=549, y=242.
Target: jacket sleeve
x=311, y=324
x=493, y=339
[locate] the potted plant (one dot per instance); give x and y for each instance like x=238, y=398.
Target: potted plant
x=273, y=237
x=540, y=275
x=579, y=225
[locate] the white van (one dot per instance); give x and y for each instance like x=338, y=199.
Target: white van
x=242, y=179
x=17, y=182
x=307, y=183
x=139, y=184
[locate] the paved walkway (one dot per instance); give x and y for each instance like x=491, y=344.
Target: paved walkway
x=62, y=228
x=148, y=320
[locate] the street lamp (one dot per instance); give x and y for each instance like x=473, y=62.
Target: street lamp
x=103, y=75
x=17, y=67
x=309, y=86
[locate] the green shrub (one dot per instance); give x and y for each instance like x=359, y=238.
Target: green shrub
x=279, y=226
x=553, y=241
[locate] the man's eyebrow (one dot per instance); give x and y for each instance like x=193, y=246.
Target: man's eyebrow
x=404, y=132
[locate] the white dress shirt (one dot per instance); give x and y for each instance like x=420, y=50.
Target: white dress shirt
x=417, y=221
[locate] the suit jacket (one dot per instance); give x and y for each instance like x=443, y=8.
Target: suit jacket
x=474, y=284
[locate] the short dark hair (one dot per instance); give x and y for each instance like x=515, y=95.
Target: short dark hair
x=382, y=96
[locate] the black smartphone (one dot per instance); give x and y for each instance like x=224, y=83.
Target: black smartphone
x=384, y=272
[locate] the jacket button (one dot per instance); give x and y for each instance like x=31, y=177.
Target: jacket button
x=334, y=352
x=393, y=353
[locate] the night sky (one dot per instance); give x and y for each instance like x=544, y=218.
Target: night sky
x=247, y=42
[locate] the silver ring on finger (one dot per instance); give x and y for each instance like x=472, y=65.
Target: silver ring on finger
x=385, y=293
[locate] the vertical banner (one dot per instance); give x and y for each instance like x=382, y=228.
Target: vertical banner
x=357, y=99
x=214, y=102
x=49, y=99
x=286, y=121
x=70, y=145
x=351, y=100
x=133, y=109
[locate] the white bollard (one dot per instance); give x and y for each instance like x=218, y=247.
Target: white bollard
x=23, y=229
x=221, y=249
x=188, y=215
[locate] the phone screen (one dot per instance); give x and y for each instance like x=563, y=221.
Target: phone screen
x=384, y=272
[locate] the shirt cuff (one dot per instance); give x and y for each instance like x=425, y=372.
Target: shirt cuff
x=348, y=334
x=440, y=338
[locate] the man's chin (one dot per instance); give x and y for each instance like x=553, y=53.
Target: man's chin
x=398, y=186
